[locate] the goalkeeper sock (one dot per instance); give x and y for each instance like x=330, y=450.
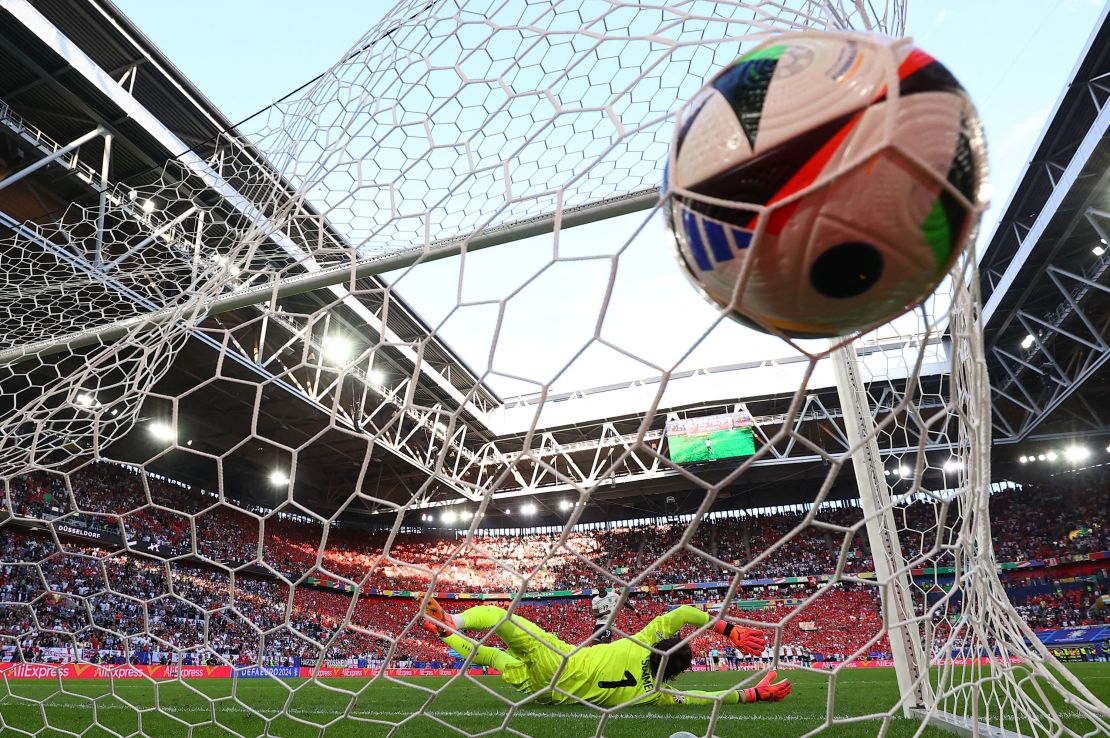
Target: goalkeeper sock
x=480, y=617
x=485, y=656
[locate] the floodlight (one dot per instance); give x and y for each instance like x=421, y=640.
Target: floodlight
x=161, y=431
x=953, y=465
x=148, y=206
x=338, y=349
x=528, y=509
x=1098, y=251
x=1076, y=453
x=1024, y=459
x=564, y=504
x=904, y=471
x=448, y=517
x=278, y=478
x=1027, y=341
x=85, y=400
x=1052, y=455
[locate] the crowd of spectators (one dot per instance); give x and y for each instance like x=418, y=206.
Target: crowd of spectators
x=1060, y=609
x=116, y=606
x=155, y=515
x=191, y=577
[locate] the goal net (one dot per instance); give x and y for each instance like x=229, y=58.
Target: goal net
x=414, y=332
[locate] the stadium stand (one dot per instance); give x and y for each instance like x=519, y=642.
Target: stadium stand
x=153, y=600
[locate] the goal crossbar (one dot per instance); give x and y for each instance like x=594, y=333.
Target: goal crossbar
x=332, y=275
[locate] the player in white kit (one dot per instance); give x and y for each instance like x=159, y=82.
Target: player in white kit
x=603, y=605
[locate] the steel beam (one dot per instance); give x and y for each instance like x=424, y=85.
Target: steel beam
x=51, y=157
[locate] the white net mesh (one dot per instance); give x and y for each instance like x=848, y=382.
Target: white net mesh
x=229, y=322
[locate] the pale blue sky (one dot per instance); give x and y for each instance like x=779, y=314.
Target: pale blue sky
x=1013, y=57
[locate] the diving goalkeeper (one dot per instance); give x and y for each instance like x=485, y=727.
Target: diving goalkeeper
x=605, y=674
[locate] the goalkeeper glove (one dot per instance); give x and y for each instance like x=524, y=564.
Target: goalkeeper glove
x=765, y=691
x=751, y=642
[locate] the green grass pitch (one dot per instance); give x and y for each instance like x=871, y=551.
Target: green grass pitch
x=725, y=444
x=252, y=707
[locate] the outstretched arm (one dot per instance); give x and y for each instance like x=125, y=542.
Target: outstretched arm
x=765, y=691
x=746, y=639
x=670, y=623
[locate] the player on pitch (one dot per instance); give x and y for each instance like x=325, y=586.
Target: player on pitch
x=604, y=674
x=603, y=604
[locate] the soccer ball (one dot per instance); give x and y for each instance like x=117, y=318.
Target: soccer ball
x=808, y=200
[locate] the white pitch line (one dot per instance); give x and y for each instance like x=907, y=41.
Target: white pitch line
x=630, y=714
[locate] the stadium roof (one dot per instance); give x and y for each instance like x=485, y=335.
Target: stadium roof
x=1044, y=284
x=101, y=71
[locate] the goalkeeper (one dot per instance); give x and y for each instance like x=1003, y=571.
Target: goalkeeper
x=604, y=674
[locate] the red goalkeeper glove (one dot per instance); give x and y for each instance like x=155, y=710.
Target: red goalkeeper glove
x=765, y=691
x=751, y=642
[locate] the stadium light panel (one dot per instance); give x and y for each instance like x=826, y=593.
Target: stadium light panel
x=278, y=478
x=148, y=206
x=376, y=376
x=1052, y=455
x=1076, y=453
x=1024, y=459
x=161, y=431
x=528, y=509
x=448, y=517
x=1040, y=457
x=953, y=465
x=903, y=471
x=1027, y=341
x=338, y=349
x=84, y=399
x=1099, y=250
x=564, y=504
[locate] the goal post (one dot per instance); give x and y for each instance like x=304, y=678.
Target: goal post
x=892, y=574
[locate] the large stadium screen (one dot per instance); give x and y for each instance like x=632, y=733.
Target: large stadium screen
x=710, y=438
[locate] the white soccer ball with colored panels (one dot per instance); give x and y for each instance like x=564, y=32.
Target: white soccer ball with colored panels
x=809, y=200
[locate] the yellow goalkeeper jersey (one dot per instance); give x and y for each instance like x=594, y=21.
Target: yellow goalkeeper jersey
x=609, y=674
